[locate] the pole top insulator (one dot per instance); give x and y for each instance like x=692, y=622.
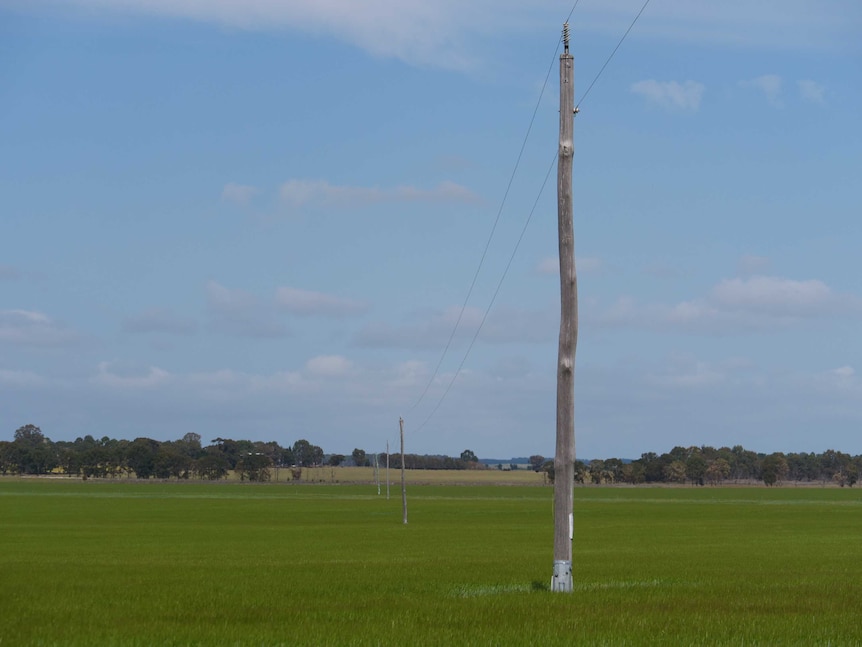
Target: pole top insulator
x=566, y=37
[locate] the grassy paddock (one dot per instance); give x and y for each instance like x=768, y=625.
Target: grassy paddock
x=127, y=563
x=416, y=477
x=365, y=475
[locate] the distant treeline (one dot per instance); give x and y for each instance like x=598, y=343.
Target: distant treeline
x=31, y=452
x=708, y=465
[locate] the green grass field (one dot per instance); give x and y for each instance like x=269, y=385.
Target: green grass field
x=364, y=475
x=92, y=563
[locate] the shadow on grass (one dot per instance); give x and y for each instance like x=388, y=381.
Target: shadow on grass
x=540, y=586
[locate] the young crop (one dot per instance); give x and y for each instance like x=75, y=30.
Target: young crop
x=130, y=564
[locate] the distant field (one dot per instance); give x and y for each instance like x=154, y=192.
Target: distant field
x=127, y=563
x=418, y=477
x=358, y=475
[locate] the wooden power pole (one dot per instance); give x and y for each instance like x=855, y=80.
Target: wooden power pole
x=377, y=472
x=564, y=458
x=403, y=486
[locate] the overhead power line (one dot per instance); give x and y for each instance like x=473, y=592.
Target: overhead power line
x=574, y=6
x=578, y=105
x=523, y=230
x=493, y=298
x=491, y=235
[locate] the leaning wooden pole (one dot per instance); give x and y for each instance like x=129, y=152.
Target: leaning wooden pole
x=564, y=458
x=403, y=485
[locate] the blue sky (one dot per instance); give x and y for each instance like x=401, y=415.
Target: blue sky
x=260, y=220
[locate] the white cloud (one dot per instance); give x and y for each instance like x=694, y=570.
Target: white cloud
x=454, y=34
x=699, y=376
x=671, y=94
x=661, y=270
x=159, y=320
x=432, y=329
x=237, y=312
x=308, y=303
x=113, y=376
x=31, y=328
x=589, y=264
x=750, y=264
x=411, y=372
x=812, y=91
x=239, y=194
x=9, y=273
x=844, y=372
x=548, y=265
x=422, y=330
x=432, y=32
x=776, y=296
x=839, y=384
x=638, y=405
x=297, y=194
x=769, y=85
x=329, y=366
x=10, y=378
x=224, y=299
x=757, y=303
x=765, y=24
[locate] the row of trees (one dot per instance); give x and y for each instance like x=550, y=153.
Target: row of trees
x=31, y=452
x=708, y=465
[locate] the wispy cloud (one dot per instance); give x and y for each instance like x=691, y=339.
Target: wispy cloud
x=751, y=264
x=700, y=375
x=679, y=399
x=841, y=382
x=548, y=265
x=432, y=329
x=228, y=300
x=298, y=194
x=30, y=328
x=769, y=85
x=13, y=378
x=752, y=304
x=239, y=194
x=329, y=366
x=812, y=91
x=671, y=95
x=765, y=24
x=158, y=320
x=451, y=34
x=237, y=312
x=434, y=32
x=777, y=296
x=115, y=376
x=9, y=273
x=309, y=303
x=662, y=270
x=420, y=330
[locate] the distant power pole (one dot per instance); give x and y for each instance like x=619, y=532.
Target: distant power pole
x=403, y=486
x=377, y=472
x=564, y=458
x=387, y=470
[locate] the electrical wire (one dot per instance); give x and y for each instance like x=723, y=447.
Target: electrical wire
x=493, y=298
x=493, y=229
x=578, y=104
x=523, y=230
x=574, y=6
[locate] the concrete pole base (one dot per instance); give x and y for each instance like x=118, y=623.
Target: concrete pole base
x=562, y=579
